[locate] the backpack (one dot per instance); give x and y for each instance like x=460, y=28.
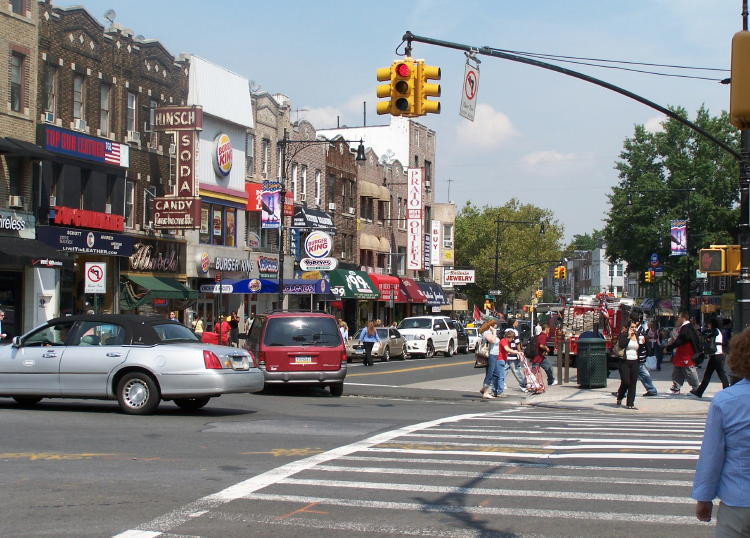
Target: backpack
x=708, y=342
x=530, y=348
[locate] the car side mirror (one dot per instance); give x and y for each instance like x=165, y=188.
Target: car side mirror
x=16, y=341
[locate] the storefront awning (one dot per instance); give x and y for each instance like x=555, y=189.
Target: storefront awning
x=389, y=287
x=412, y=291
x=385, y=194
x=433, y=292
x=369, y=242
x=27, y=149
x=369, y=190
x=352, y=284
x=385, y=245
x=20, y=251
x=162, y=287
x=313, y=219
x=303, y=286
x=255, y=285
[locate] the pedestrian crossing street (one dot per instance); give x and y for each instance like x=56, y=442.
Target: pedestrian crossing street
x=519, y=472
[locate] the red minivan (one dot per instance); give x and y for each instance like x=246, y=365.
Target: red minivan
x=301, y=348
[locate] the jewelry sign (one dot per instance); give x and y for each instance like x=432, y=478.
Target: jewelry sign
x=414, y=231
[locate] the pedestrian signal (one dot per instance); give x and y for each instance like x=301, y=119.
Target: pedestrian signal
x=712, y=260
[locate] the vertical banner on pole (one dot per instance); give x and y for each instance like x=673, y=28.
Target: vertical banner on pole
x=679, y=238
x=414, y=225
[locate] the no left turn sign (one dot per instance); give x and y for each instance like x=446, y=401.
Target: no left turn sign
x=469, y=94
x=96, y=277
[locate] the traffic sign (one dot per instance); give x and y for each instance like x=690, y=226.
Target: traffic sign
x=469, y=93
x=654, y=260
x=96, y=277
x=493, y=292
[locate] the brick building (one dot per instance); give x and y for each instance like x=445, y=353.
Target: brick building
x=98, y=91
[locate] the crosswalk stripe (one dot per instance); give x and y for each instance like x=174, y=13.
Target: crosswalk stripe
x=517, y=512
x=638, y=423
x=490, y=451
x=619, y=431
x=548, y=447
x=504, y=476
x=548, y=438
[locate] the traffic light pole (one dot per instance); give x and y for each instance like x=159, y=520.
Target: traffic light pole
x=742, y=287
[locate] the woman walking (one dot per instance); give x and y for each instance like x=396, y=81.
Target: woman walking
x=635, y=347
x=368, y=336
x=198, y=325
x=715, y=361
x=492, y=385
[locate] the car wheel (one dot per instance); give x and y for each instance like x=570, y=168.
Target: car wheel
x=27, y=400
x=137, y=394
x=336, y=389
x=386, y=355
x=450, y=350
x=191, y=404
x=430, y=351
x=404, y=354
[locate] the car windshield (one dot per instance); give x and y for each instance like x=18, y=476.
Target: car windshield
x=169, y=332
x=415, y=323
x=307, y=331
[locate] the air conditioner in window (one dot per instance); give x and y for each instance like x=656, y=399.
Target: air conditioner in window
x=15, y=202
x=172, y=149
x=49, y=117
x=133, y=136
x=351, y=210
x=302, y=197
x=52, y=201
x=108, y=208
x=331, y=206
x=343, y=256
x=149, y=225
x=80, y=125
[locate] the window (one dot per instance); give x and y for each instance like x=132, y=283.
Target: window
x=230, y=230
x=265, y=146
x=129, y=203
x=149, y=193
x=428, y=173
x=447, y=235
x=49, y=88
x=294, y=181
x=300, y=330
x=303, y=181
x=15, y=175
x=49, y=335
x=104, y=95
x=278, y=161
x=249, y=154
x=17, y=6
x=619, y=269
x=317, y=187
x=204, y=236
x=611, y=269
x=153, y=136
x=79, y=97
x=218, y=225
x=97, y=333
x=16, y=81
x=130, y=118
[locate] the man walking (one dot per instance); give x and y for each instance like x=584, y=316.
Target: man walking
x=540, y=355
x=685, y=346
x=643, y=374
x=514, y=364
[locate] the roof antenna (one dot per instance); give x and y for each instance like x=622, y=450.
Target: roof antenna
x=110, y=16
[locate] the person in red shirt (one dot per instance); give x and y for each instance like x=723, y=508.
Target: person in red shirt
x=224, y=328
x=685, y=346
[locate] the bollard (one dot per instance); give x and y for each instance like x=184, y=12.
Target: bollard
x=560, y=362
x=567, y=362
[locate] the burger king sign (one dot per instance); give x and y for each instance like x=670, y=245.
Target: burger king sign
x=318, y=244
x=222, y=154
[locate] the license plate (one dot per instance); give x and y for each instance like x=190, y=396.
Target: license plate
x=240, y=363
x=303, y=359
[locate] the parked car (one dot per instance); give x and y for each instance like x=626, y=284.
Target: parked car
x=426, y=335
x=474, y=337
x=462, y=338
x=136, y=360
x=299, y=348
x=392, y=344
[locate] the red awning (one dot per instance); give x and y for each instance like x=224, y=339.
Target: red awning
x=412, y=291
x=388, y=285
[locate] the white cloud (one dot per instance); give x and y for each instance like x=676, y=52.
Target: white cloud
x=654, y=125
x=548, y=158
x=489, y=129
x=327, y=117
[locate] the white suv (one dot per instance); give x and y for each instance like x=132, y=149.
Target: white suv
x=426, y=335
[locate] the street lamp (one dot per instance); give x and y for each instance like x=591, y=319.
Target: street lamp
x=284, y=142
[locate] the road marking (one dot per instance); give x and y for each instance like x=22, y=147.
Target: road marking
x=459, y=490
x=546, y=448
x=619, y=431
x=287, y=452
x=543, y=456
x=304, y=509
x=414, y=369
x=46, y=456
x=177, y=517
x=511, y=511
x=547, y=438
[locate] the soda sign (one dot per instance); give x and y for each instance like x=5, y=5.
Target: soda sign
x=458, y=277
x=318, y=244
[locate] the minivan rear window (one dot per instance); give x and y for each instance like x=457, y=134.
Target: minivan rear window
x=302, y=331
x=415, y=323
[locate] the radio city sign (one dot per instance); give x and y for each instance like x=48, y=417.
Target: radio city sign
x=177, y=213
x=183, y=122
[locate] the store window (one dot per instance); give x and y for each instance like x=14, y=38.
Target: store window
x=79, y=97
x=49, y=88
x=17, y=96
x=105, y=91
x=218, y=225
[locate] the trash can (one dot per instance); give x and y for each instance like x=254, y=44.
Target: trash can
x=592, y=363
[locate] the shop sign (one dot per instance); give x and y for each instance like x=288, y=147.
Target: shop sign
x=427, y=250
x=268, y=267
x=46, y=262
x=222, y=155
x=184, y=122
x=318, y=264
x=156, y=256
x=253, y=240
x=254, y=199
x=83, y=218
x=435, y=242
x=205, y=262
x=414, y=233
x=95, y=277
x=86, y=241
x=177, y=213
x=216, y=288
x=270, y=217
x=232, y=265
x=13, y=223
x=178, y=118
x=458, y=277
x=82, y=146
x=318, y=244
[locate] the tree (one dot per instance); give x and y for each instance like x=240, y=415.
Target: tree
x=685, y=176
x=586, y=241
x=519, y=245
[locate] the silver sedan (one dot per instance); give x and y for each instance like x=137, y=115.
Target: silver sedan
x=135, y=360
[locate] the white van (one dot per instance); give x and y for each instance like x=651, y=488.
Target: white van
x=426, y=335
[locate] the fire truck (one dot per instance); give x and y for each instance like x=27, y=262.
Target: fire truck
x=601, y=314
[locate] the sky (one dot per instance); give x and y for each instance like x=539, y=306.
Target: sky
x=538, y=136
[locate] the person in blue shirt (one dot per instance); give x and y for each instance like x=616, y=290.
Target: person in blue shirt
x=723, y=468
x=368, y=336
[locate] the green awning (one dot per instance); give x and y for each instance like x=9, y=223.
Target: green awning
x=352, y=284
x=153, y=287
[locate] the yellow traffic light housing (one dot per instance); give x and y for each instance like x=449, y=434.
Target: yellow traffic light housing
x=712, y=260
x=425, y=89
x=648, y=276
x=402, y=75
x=739, y=88
x=556, y=273
x=563, y=272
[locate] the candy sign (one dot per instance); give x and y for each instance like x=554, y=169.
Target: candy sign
x=222, y=154
x=318, y=244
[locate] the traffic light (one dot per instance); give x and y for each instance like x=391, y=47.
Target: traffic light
x=538, y=294
x=648, y=276
x=712, y=260
x=560, y=272
x=556, y=273
x=402, y=77
x=739, y=88
x=563, y=272
x=425, y=89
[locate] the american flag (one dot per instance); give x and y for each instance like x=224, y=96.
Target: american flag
x=112, y=153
